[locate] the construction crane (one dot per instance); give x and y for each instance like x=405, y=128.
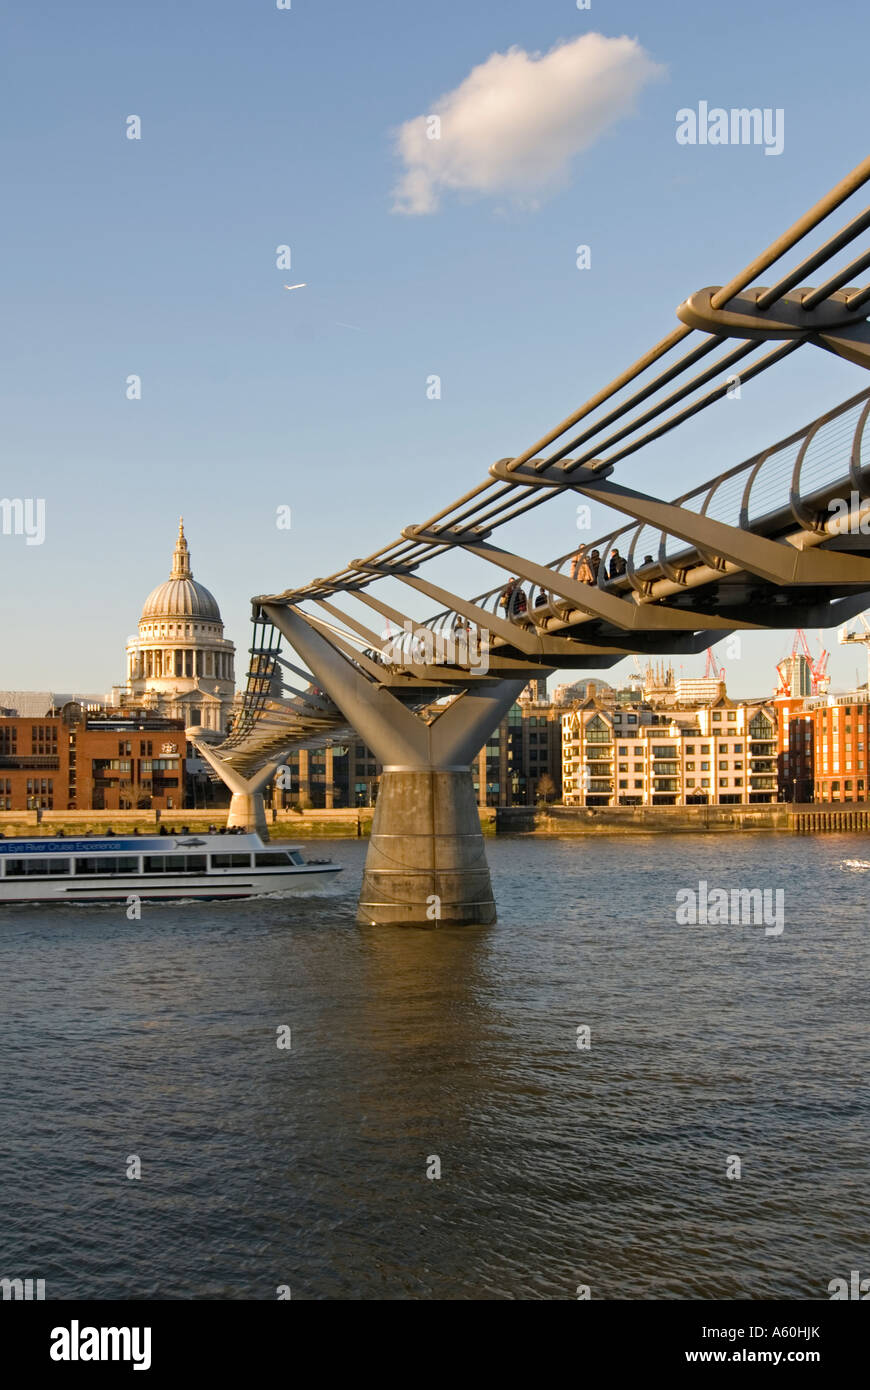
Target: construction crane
x=862, y=635
x=710, y=671
x=787, y=669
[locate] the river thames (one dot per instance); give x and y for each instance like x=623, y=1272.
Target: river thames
x=560, y=1165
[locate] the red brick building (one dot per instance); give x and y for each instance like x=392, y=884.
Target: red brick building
x=841, y=735
x=78, y=762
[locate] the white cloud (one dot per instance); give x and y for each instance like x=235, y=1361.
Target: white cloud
x=516, y=121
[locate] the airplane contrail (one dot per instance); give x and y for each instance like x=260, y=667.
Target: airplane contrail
x=296, y=287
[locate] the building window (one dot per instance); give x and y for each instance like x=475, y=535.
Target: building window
x=705, y=767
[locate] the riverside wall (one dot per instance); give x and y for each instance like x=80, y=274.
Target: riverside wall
x=675, y=820
x=515, y=820
x=283, y=825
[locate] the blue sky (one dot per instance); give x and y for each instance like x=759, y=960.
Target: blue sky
x=263, y=127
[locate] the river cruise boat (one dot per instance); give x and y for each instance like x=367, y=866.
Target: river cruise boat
x=111, y=868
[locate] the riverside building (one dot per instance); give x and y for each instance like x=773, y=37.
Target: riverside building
x=723, y=753
x=840, y=738
x=80, y=761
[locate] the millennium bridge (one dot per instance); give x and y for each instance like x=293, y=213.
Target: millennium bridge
x=775, y=541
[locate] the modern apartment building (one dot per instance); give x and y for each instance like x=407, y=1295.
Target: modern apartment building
x=636, y=755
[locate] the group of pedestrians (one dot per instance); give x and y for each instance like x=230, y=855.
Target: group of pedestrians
x=585, y=569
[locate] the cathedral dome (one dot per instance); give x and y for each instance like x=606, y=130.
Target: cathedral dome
x=180, y=596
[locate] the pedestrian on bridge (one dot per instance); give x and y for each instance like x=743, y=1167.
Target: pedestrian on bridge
x=617, y=565
x=581, y=570
x=513, y=599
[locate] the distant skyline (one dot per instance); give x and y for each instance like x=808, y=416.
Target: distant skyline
x=155, y=364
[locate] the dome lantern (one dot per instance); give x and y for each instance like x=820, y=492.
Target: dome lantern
x=181, y=555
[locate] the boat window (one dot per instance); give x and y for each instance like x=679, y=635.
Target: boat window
x=296, y=857
x=231, y=861
x=18, y=868
x=272, y=859
x=175, y=863
x=109, y=864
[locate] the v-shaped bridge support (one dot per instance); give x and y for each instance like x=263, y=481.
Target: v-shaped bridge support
x=426, y=862
x=247, y=808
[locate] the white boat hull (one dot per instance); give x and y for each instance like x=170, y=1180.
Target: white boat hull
x=232, y=885
x=61, y=870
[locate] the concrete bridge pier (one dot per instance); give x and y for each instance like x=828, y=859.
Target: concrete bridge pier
x=426, y=862
x=247, y=807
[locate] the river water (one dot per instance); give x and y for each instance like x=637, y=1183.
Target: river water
x=560, y=1166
